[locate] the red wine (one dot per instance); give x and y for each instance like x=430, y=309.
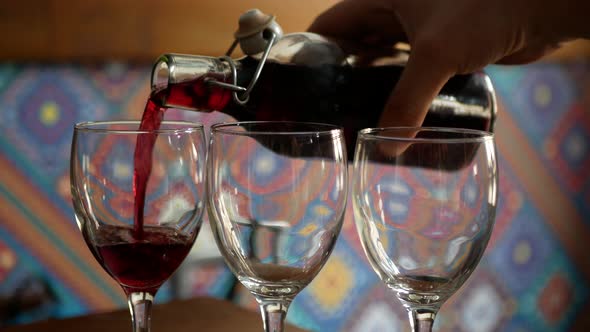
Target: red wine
x=140, y=265
x=142, y=161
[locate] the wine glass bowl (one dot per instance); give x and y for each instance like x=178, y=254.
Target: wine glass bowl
x=140, y=253
x=424, y=201
x=277, y=196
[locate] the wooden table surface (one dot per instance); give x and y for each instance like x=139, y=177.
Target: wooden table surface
x=198, y=314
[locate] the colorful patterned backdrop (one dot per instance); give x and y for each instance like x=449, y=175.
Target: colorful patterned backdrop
x=535, y=275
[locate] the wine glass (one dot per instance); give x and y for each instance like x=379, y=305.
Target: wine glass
x=424, y=202
x=277, y=196
x=139, y=236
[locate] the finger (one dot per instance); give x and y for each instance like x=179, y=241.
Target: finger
x=422, y=79
x=365, y=21
x=528, y=54
x=420, y=82
x=344, y=15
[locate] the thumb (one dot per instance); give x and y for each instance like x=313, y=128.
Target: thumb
x=421, y=80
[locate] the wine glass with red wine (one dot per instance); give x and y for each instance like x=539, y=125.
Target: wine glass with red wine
x=277, y=196
x=138, y=197
x=424, y=201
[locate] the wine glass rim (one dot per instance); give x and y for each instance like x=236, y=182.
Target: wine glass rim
x=395, y=134
x=103, y=127
x=231, y=128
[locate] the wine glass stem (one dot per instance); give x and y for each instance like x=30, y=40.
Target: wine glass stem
x=273, y=314
x=140, y=305
x=422, y=319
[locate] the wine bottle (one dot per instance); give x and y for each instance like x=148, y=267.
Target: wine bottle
x=307, y=77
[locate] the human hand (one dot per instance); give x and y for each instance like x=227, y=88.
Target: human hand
x=446, y=38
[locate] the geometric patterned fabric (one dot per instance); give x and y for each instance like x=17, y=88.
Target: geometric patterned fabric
x=534, y=276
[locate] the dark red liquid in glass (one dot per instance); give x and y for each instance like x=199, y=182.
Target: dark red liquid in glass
x=142, y=161
x=140, y=264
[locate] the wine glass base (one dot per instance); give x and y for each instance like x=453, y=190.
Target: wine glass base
x=268, y=290
x=421, y=300
x=422, y=291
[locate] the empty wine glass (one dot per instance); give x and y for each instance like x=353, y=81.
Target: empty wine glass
x=140, y=237
x=277, y=196
x=424, y=201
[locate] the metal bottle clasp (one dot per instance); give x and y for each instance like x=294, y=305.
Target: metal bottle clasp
x=257, y=33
